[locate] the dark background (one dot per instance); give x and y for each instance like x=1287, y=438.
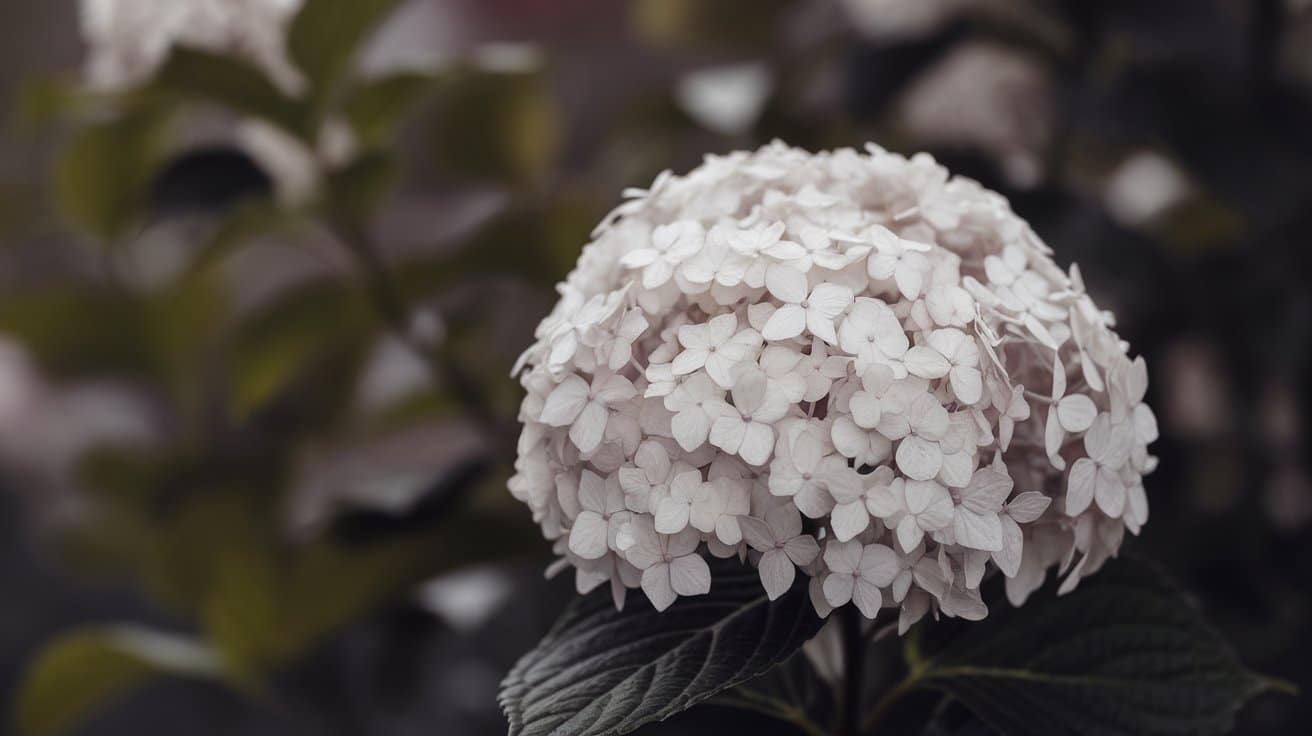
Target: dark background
x=1164, y=145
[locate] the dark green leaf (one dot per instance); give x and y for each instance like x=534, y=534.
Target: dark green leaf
x=602, y=671
x=86, y=669
x=356, y=190
x=497, y=126
x=375, y=107
x=1126, y=653
x=326, y=34
x=792, y=692
x=102, y=179
x=236, y=84
x=302, y=330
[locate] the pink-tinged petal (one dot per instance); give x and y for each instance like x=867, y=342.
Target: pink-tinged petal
x=786, y=284
x=1053, y=437
x=639, y=258
x=777, y=573
x=1076, y=412
x=981, y=531
x=813, y=501
x=688, y=361
x=918, y=458
x=756, y=533
x=565, y=402
x=926, y=362
x=865, y=409
x=588, y=430
x=656, y=584
x=683, y=543
x=1109, y=492
x=987, y=491
x=802, y=550
x=879, y=565
x=615, y=389
x=1079, y=487
x=672, y=516
x=727, y=433
x=784, y=522
x=967, y=384
x=1013, y=541
x=690, y=428
x=838, y=588
x=830, y=300
x=843, y=557
x=1028, y=506
x=786, y=323
x=849, y=519
x=588, y=537
x=592, y=492
x=939, y=514
x=867, y=598
x=909, y=534
x=821, y=326
x=757, y=443
x=690, y=575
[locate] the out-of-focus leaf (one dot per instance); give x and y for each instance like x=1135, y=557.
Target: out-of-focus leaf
x=538, y=244
x=326, y=34
x=792, y=692
x=375, y=107
x=684, y=22
x=1126, y=653
x=243, y=225
x=43, y=101
x=290, y=336
x=236, y=84
x=210, y=180
x=80, y=331
x=102, y=179
x=497, y=126
x=355, y=190
x=602, y=671
x=86, y=669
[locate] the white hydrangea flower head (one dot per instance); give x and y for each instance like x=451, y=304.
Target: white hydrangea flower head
x=849, y=364
x=129, y=39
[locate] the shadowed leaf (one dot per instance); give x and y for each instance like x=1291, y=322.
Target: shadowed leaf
x=602, y=671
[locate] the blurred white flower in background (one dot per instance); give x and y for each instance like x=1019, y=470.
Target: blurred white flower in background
x=726, y=99
x=989, y=98
x=45, y=428
x=857, y=339
x=129, y=39
x=900, y=18
x=1143, y=186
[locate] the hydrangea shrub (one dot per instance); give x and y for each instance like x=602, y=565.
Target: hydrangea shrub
x=852, y=364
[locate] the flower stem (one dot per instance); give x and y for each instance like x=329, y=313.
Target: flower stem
x=394, y=309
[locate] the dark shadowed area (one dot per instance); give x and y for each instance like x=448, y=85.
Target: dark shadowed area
x=256, y=418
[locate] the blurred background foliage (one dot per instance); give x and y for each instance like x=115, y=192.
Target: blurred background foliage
x=255, y=419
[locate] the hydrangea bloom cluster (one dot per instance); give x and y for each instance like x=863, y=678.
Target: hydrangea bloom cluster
x=844, y=363
x=129, y=39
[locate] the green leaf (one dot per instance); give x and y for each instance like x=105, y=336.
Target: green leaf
x=80, y=331
x=356, y=190
x=1126, y=653
x=87, y=668
x=497, y=126
x=377, y=106
x=236, y=84
x=602, y=671
x=102, y=179
x=793, y=692
x=326, y=34
x=305, y=329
